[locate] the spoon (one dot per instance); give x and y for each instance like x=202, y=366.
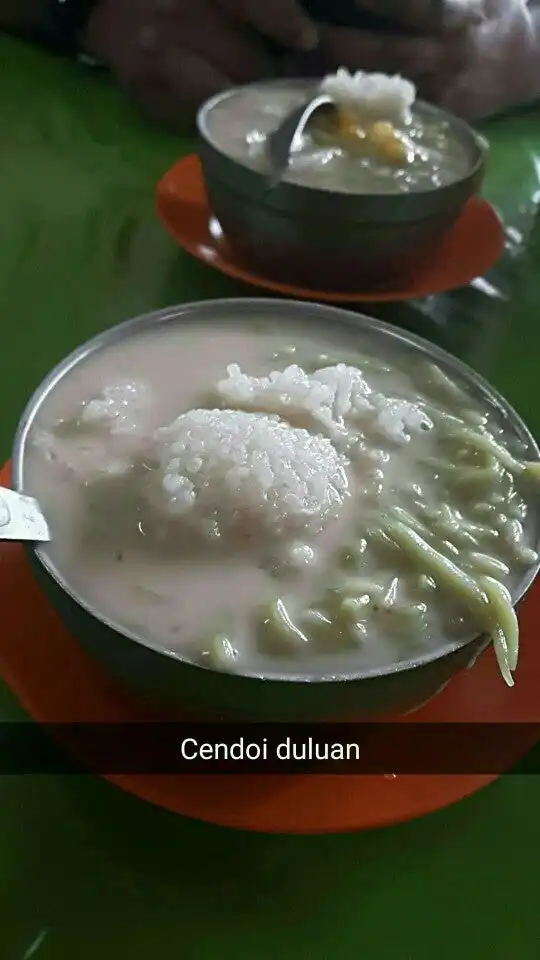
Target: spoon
x=280, y=142
x=21, y=518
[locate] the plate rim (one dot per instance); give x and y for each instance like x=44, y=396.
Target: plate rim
x=230, y=268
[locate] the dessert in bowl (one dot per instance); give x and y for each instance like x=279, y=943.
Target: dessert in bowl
x=279, y=510
x=371, y=191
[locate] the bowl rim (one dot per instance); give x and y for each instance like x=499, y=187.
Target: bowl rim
x=228, y=308
x=467, y=131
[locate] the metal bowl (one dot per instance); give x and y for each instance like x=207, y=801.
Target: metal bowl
x=329, y=240
x=178, y=685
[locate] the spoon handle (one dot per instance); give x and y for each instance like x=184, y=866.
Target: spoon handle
x=281, y=140
x=21, y=518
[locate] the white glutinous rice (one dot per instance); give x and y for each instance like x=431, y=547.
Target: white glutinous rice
x=337, y=399
x=378, y=95
x=293, y=394
x=227, y=469
x=398, y=419
x=119, y=409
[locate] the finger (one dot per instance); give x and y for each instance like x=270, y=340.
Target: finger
x=423, y=16
x=169, y=89
x=465, y=13
x=282, y=21
x=234, y=50
x=428, y=17
x=192, y=78
x=303, y=65
x=358, y=50
x=431, y=64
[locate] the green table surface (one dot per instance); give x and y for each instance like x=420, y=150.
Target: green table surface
x=88, y=872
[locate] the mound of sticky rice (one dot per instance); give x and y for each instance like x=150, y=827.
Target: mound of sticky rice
x=273, y=459
x=320, y=399
x=334, y=399
x=223, y=469
x=375, y=95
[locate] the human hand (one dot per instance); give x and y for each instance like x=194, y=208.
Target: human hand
x=482, y=58
x=171, y=55
x=432, y=60
x=503, y=63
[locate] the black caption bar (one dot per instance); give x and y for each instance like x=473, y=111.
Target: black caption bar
x=230, y=748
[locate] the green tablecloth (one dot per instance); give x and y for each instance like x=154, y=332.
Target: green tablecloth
x=88, y=872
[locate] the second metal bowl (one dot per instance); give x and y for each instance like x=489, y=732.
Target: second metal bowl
x=324, y=239
x=177, y=684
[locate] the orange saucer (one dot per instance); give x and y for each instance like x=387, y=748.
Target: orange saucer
x=57, y=683
x=475, y=243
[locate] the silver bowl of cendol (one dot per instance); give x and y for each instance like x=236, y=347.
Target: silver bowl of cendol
x=280, y=510
x=371, y=191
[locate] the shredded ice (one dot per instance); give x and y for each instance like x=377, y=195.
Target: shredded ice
x=105, y=437
x=119, y=408
x=377, y=95
x=89, y=458
x=336, y=399
x=222, y=469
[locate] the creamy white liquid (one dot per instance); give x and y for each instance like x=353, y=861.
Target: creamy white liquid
x=239, y=125
x=172, y=591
